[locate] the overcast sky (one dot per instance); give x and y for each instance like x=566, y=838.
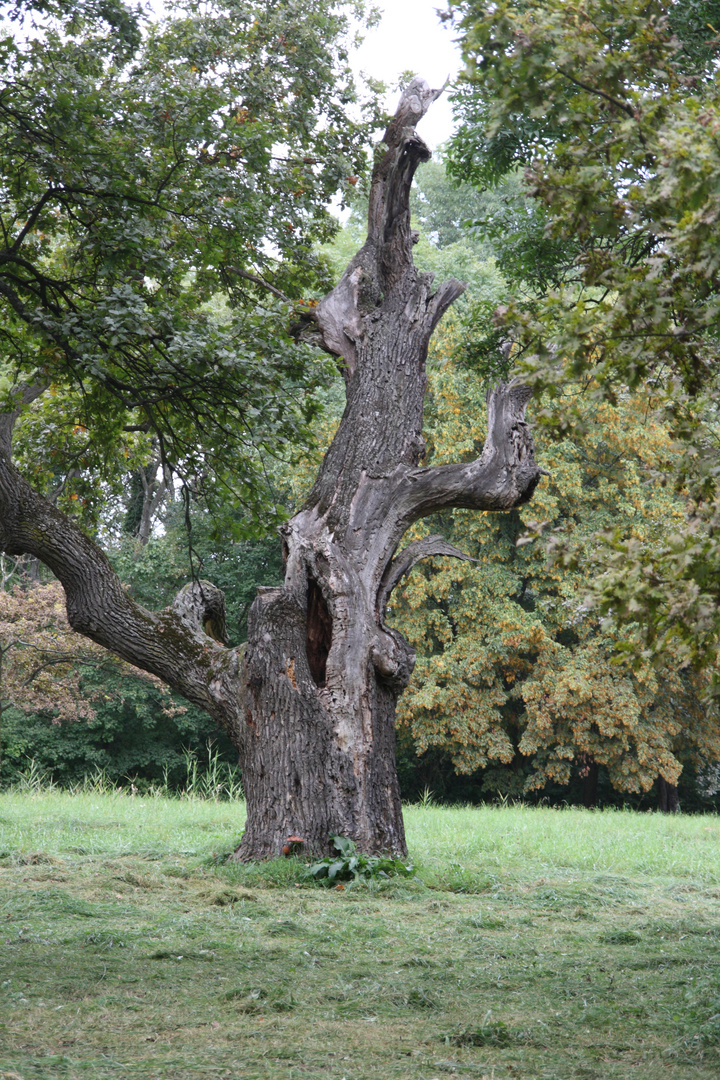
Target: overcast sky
x=412, y=38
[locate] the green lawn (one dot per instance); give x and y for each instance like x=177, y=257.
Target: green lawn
x=536, y=945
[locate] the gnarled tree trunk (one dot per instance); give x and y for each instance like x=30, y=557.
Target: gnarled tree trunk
x=324, y=669
x=310, y=704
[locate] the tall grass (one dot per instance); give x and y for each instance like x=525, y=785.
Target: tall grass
x=210, y=779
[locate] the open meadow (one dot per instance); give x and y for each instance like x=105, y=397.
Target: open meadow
x=534, y=944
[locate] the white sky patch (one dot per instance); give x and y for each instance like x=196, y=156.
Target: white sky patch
x=410, y=37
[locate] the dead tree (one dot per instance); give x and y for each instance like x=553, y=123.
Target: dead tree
x=310, y=703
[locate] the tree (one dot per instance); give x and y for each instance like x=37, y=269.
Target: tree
x=42, y=661
x=606, y=108
x=39, y=666
x=517, y=677
x=612, y=113
x=310, y=704
x=145, y=168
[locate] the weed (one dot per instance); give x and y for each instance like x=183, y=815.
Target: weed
x=421, y=999
x=33, y=780
x=489, y=1033
x=217, y=780
x=214, y=781
x=426, y=799
x=285, y=926
x=351, y=865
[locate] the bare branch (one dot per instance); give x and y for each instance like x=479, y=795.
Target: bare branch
x=409, y=557
x=385, y=264
x=31, y=220
x=257, y=280
x=505, y=475
x=181, y=649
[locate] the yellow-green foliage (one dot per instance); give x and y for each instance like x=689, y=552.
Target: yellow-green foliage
x=515, y=673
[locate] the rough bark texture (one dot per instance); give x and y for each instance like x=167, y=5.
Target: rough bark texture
x=310, y=704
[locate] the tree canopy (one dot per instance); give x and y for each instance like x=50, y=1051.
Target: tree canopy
x=148, y=168
x=611, y=113
x=518, y=680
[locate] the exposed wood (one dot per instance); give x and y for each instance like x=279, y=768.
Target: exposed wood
x=410, y=556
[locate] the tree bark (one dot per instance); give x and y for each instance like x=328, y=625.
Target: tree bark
x=310, y=705
x=589, y=774
x=668, y=801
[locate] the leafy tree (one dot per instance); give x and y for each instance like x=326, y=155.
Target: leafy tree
x=73, y=708
x=592, y=99
x=44, y=665
x=144, y=167
x=612, y=112
x=444, y=211
x=41, y=657
x=516, y=675
x=138, y=734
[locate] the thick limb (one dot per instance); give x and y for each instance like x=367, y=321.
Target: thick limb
x=505, y=475
x=181, y=645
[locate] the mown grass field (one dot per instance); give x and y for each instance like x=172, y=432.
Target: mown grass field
x=537, y=944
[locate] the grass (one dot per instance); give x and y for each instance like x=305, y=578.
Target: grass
x=537, y=944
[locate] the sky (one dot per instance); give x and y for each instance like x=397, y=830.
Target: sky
x=410, y=37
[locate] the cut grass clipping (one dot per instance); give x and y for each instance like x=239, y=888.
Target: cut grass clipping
x=532, y=944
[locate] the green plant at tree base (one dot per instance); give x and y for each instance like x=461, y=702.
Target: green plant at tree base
x=352, y=866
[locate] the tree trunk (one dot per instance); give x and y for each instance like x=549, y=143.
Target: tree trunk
x=589, y=774
x=154, y=492
x=310, y=703
x=320, y=757
x=324, y=670
x=668, y=801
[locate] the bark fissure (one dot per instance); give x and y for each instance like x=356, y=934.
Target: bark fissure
x=319, y=632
